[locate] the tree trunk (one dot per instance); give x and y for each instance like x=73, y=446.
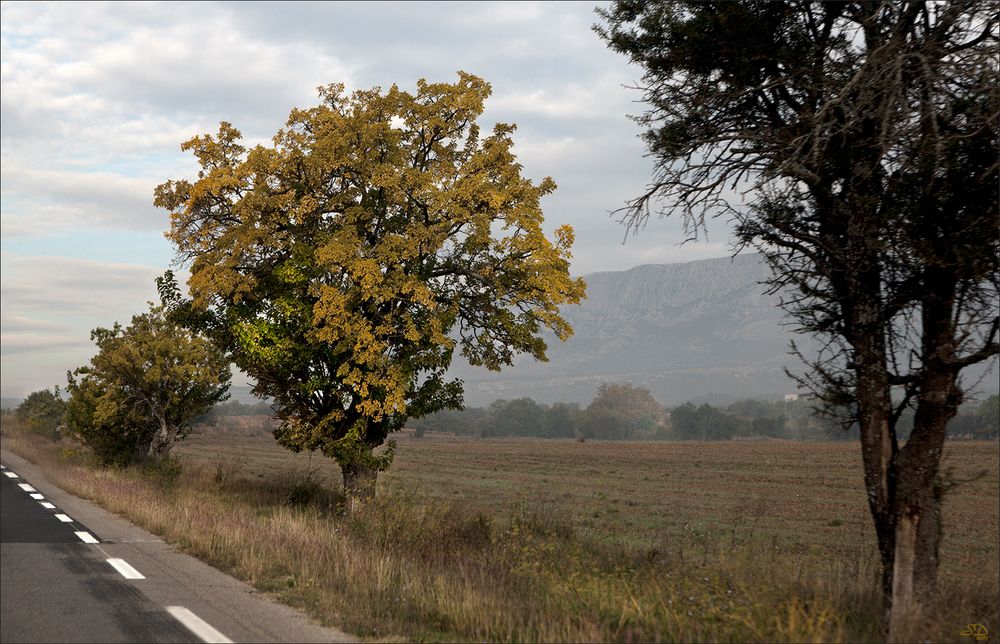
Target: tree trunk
x=162, y=441
x=873, y=396
x=914, y=573
x=917, y=502
x=858, y=281
x=878, y=447
x=359, y=484
x=917, y=510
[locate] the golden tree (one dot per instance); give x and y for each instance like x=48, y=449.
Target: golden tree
x=143, y=389
x=343, y=265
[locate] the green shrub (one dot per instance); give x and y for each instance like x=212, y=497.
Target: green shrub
x=116, y=435
x=42, y=412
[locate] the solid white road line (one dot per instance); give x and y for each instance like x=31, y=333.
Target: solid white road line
x=10, y=475
x=86, y=537
x=127, y=571
x=36, y=496
x=26, y=487
x=197, y=625
x=47, y=505
x=64, y=518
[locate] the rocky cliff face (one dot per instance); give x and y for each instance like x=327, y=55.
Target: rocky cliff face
x=703, y=329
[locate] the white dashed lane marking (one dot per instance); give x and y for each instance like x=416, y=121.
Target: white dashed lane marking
x=83, y=535
x=197, y=625
x=127, y=571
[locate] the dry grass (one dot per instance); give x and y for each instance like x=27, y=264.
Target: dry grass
x=533, y=540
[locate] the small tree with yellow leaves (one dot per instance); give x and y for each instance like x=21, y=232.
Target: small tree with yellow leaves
x=343, y=265
x=142, y=391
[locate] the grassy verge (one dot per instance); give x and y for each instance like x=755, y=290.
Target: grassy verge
x=418, y=565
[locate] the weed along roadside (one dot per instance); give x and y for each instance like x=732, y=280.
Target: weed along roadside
x=667, y=541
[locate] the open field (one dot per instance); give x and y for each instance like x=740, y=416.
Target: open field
x=806, y=498
x=515, y=540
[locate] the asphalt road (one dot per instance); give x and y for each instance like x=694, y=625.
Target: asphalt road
x=72, y=572
x=56, y=588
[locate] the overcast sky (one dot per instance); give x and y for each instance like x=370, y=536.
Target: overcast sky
x=96, y=99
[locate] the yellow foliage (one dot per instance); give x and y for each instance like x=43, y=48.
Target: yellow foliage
x=347, y=259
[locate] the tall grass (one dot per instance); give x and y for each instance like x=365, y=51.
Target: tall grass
x=418, y=569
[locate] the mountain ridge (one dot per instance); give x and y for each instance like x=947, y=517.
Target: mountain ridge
x=706, y=330
x=691, y=330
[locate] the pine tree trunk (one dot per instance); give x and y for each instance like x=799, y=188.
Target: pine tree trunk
x=359, y=484
x=917, y=502
x=878, y=447
x=917, y=507
x=914, y=574
x=873, y=395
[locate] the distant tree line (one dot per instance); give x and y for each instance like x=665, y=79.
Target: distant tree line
x=982, y=422
x=236, y=408
x=617, y=412
x=625, y=412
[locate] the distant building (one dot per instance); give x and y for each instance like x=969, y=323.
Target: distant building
x=791, y=397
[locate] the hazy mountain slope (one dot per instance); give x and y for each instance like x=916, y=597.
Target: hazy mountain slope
x=692, y=330
x=701, y=330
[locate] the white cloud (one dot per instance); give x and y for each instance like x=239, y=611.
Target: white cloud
x=33, y=343
x=686, y=252
x=539, y=154
x=12, y=324
x=91, y=124
x=71, y=286
x=568, y=100
x=40, y=201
